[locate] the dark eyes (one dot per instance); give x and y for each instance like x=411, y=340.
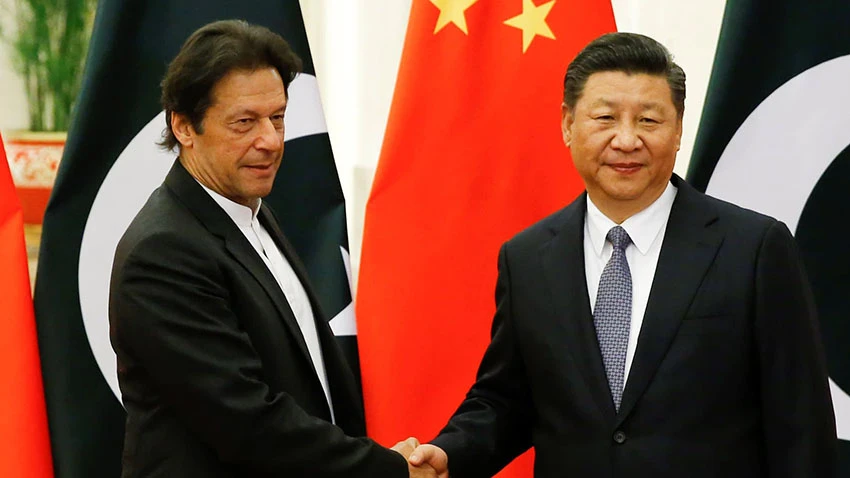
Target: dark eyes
x=646, y=120
x=277, y=121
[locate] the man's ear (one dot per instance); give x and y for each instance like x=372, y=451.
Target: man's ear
x=566, y=124
x=182, y=129
x=678, y=133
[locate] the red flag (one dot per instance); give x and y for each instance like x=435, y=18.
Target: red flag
x=472, y=154
x=25, y=449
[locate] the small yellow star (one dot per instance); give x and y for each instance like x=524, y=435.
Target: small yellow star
x=452, y=11
x=532, y=21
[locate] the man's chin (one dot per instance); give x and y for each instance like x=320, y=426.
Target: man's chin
x=263, y=192
x=624, y=191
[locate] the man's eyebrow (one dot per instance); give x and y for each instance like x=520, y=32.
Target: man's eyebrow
x=646, y=105
x=252, y=113
x=242, y=112
x=603, y=102
x=651, y=105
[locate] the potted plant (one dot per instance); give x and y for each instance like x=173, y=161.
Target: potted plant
x=48, y=48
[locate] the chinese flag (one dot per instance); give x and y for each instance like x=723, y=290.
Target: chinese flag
x=24, y=441
x=472, y=154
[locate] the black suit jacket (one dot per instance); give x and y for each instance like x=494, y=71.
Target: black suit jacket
x=728, y=378
x=214, y=372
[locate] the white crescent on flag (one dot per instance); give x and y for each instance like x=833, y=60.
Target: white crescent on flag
x=778, y=154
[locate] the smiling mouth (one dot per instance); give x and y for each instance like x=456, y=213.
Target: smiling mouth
x=625, y=167
x=260, y=167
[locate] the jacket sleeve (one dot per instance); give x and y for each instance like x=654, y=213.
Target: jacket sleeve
x=798, y=421
x=170, y=315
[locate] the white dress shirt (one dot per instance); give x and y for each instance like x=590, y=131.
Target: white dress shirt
x=646, y=230
x=247, y=222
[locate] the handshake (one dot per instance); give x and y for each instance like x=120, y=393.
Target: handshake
x=427, y=461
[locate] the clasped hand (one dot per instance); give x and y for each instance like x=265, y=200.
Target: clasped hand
x=423, y=460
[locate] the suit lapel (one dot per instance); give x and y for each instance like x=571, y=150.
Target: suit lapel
x=691, y=242
x=563, y=265
x=193, y=196
x=323, y=328
x=340, y=378
x=245, y=254
x=269, y=221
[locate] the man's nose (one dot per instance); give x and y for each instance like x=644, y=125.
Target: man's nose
x=626, y=137
x=269, y=137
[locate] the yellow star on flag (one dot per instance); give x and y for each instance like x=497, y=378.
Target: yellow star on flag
x=532, y=22
x=452, y=11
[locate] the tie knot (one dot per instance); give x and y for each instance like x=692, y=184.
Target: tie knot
x=619, y=237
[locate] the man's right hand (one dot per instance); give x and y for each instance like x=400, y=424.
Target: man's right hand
x=422, y=471
x=431, y=457
x=405, y=448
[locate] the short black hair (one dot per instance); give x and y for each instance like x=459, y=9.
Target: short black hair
x=627, y=52
x=209, y=54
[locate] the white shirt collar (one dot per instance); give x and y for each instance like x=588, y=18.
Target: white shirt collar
x=243, y=216
x=643, y=227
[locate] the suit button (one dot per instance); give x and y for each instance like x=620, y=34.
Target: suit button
x=619, y=437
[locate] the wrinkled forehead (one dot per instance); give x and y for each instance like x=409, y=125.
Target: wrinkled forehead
x=242, y=79
x=260, y=86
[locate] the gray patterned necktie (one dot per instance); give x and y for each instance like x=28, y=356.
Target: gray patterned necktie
x=613, y=312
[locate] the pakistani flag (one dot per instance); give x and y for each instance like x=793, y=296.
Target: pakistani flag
x=775, y=137
x=111, y=165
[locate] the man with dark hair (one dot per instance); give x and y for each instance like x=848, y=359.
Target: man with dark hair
x=226, y=364
x=645, y=329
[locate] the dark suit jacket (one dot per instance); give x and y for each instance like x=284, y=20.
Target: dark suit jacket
x=728, y=378
x=214, y=372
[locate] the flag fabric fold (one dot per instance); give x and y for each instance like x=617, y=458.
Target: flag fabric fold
x=472, y=154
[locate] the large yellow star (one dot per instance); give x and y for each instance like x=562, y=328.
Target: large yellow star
x=452, y=11
x=532, y=21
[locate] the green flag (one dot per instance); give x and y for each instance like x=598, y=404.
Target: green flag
x=111, y=165
x=775, y=137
